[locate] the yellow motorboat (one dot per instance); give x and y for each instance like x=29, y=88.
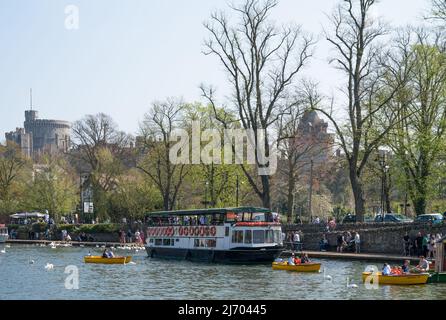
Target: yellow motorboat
x=304, y=267
x=114, y=260
x=404, y=279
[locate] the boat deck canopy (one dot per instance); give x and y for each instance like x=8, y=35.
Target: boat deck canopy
x=209, y=211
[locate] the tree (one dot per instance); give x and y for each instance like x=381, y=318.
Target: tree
x=12, y=164
x=297, y=151
x=100, y=149
x=261, y=61
x=439, y=9
x=53, y=187
x=417, y=139
x=371, y=84
x=156, y=130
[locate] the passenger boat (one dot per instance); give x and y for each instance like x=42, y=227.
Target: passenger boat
x=227, y=235
x=3, y=233
x=405, y=279
x=102, y=260
x=304, y=267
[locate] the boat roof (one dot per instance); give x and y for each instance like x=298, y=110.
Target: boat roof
x=208, y=211
x=27, y=215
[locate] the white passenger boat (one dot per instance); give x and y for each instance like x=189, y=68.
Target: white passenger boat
x=230, y=235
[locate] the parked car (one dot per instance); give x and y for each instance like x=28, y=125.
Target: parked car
x=392, y=217
x=434, y=218
x=351, y=218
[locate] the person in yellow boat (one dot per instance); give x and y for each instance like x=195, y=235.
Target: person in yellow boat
x=304, y=258
x=387, y=271
x=423, y=265
x=291, y=260
x=406, y=267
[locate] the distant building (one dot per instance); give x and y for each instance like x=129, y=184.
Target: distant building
x=313, y=138
x=41, y=136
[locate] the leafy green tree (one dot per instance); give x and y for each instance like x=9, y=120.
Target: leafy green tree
x=418, y=139
x=53, y=187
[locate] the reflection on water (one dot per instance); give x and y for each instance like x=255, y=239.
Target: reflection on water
x=163, y=279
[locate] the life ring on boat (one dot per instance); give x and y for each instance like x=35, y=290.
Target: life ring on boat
x=186, y=231
x=206, y=231
x=202, y=231
x=151, y=232
x=213, y=231
x=197, y=231
x=180, y=231
x=191, y=231
x=170, y=231
x=158, y=232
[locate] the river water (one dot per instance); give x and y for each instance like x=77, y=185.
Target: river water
x=162, y=279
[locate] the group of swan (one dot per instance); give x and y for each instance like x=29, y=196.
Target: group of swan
x=349, y=285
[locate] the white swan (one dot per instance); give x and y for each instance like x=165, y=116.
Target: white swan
x=3, y=251
x=327, y=276
x=49, y=266
x=31, y=261
x=7, y=246
x=351, y=285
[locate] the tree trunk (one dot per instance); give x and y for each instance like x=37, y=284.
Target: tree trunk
x=358, y=194
x=419, y=204
x=266, y=200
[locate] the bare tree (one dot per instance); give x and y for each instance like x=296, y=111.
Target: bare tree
x=261, y=61
x=439, y=9
x=296, y=150
x=156, y=131
x=370, y=85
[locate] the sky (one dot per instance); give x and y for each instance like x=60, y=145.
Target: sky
x=127, y=54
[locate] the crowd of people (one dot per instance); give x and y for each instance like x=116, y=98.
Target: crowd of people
x=421, y=244
x=130, y=237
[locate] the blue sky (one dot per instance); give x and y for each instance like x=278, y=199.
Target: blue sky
x=128, y=53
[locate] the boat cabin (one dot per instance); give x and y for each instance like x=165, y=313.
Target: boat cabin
x=440, y=259
x=242, y=233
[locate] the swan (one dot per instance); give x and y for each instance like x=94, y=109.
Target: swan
x=327, y=276
x=3, y=251
x=49, y=266
x=31, y=261
x=351, y=285
x=7, y=246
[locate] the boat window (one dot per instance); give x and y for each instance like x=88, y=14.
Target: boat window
x=151, y=240
x=247, y=216
x=196, y=243
x=237, y=236
x=211, y=243
x=248, y=236
x=277, y=236
x=259, y=217
x=202, y=243
x=158, y=242
x=166, y=242
x=227, y=232
x=269, y=238
x=258, y=236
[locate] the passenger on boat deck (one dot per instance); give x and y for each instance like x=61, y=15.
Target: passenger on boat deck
x=291, y=260
x=406, y=266
x=386, y=270
x=104, y=254
x=305, y=258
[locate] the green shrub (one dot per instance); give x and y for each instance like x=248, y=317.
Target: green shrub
x=39, y=226
x=100, y=228
x=13, y=227
x=69, y=227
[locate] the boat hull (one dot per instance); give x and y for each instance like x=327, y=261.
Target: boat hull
x=407, y=279
x=305, y=267
x=101, y=260
x=3, y=238
x=232, y=256
x=437, y=277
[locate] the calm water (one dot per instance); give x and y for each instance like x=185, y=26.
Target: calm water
x=161, y=279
